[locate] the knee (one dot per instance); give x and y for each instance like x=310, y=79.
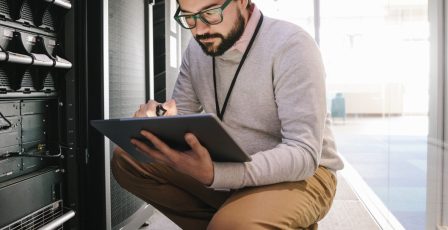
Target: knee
x=233, y=221
x=253, y=218
x=236, y=221
x=218, y=223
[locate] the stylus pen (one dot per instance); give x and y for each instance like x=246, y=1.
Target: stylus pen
x=160, y=111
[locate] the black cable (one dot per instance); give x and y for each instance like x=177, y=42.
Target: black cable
x=4, y=127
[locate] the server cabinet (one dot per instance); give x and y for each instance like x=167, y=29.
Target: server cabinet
x=62, y=64
x=33, y=143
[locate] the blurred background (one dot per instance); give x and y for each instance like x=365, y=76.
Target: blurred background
x=376, y=54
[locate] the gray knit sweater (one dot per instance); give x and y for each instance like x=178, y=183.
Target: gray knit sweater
x=277, y=110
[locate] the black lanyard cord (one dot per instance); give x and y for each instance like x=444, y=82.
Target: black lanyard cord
x=219, y=112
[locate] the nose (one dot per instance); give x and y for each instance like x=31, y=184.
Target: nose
x=201, y=27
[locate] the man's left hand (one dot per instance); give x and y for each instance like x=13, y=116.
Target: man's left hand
x=195, y=162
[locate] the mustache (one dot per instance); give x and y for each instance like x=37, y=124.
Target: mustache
x=206, y=36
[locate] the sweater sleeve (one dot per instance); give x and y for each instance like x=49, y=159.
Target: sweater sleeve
x=299, y=87
x=184, y=94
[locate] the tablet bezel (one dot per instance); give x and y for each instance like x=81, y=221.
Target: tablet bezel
x=171, y=129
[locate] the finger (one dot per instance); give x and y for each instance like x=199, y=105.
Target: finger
x=171, y=108
x=161, y=146
x=194, y=143
x=150, y=108
x=139, y=114
x=147, y=110
x=136, y=112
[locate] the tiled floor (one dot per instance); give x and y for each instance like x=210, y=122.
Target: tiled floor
x=347, y=212
x=390, y=154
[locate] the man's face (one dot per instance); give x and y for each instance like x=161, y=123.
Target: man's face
x=216, y=39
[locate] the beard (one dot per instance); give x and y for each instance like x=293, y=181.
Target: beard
x=226, y=42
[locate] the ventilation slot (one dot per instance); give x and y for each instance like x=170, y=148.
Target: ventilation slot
x=27, y=14
x=4, y=82
x=4, y=8
x=27, y=81
x=49, y=81
x=48, y=19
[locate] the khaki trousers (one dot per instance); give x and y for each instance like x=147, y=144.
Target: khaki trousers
x=289, y=205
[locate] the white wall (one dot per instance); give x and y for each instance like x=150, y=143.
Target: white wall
x=369, y=98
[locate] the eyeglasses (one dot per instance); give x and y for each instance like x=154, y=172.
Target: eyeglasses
x=210, y=16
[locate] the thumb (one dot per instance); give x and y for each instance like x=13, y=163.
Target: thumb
x=170, y=107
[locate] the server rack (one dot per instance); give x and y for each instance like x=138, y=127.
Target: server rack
x=54, y=69
x=34, y=71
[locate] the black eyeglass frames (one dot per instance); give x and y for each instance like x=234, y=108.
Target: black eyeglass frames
x=210, y=16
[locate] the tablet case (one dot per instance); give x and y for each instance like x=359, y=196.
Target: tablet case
x=171, y=130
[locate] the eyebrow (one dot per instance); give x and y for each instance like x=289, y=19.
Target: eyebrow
x=204, y=8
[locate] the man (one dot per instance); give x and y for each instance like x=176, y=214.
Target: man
x=264, y=78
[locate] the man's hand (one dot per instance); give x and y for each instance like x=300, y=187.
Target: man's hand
x=149, y=109
x=195, y=162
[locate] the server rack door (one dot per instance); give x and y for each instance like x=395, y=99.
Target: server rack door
x=159, y=54
x=116, y=84
x=127, y=90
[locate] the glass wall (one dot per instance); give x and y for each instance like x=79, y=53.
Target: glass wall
x=376, y=54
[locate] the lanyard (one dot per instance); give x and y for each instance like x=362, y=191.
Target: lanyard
x=219, y=112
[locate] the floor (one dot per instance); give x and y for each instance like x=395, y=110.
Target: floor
x=390, y=154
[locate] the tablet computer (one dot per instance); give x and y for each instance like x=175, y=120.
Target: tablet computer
x=171, y=129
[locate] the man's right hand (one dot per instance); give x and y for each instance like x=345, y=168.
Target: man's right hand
x=149, y=109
